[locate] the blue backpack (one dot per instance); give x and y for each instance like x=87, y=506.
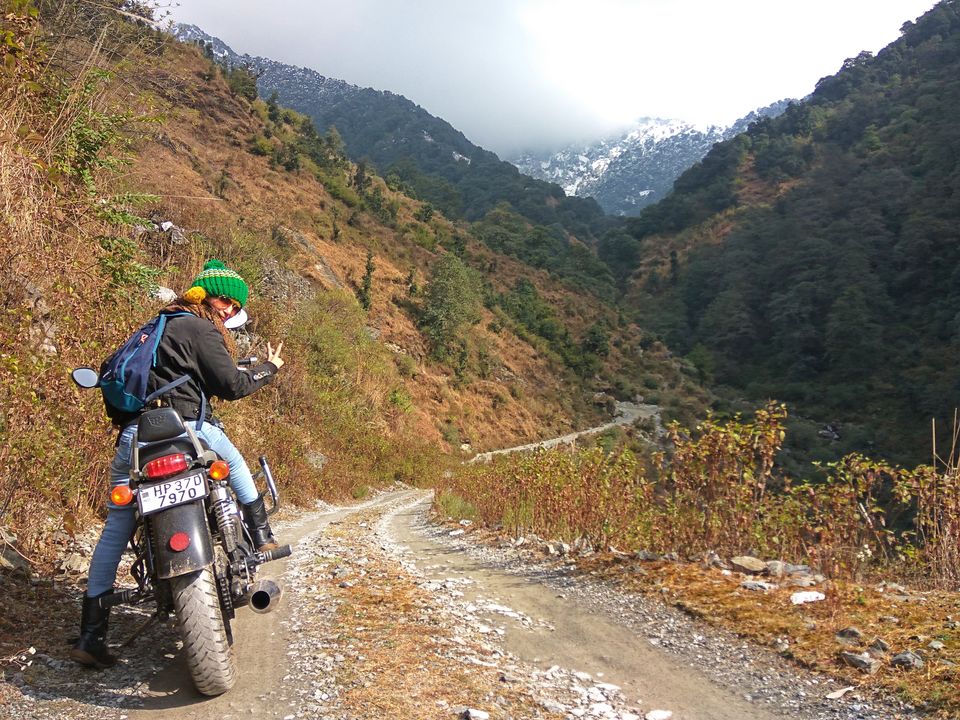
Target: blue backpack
x=124, y=375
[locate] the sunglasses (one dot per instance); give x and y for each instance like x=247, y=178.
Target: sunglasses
x=232, y=305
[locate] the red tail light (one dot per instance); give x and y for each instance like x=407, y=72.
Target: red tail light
x=165, y=466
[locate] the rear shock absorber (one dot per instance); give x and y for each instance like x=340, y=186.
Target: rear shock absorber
x=225, y=512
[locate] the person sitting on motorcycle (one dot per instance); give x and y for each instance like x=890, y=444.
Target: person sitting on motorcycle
x=194, y=344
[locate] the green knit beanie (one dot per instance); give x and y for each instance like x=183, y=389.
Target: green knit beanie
x=217, y=279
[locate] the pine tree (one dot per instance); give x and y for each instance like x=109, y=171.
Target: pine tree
x=363, y=295
x=452, y=301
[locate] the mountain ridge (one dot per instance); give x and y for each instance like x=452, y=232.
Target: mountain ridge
x=813, y=258
x=635, y=167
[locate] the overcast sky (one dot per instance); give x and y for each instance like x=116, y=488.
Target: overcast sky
x=512, y=74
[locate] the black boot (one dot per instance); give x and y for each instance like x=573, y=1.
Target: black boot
x=91, y=648
x=255, y=515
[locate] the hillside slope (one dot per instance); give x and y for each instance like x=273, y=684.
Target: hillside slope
x=813, y=259
x=128, y=158
x=134, y=130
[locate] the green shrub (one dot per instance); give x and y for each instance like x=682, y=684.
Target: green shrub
x=454, y=506
x=610, y=439
x=338, y=188
x=400, y=399
x=259, y=145
x=121, y=264
x=452, y=300
x=421, y=236
x=450, y=433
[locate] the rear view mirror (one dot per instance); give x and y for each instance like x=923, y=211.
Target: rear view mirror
x=85, y=377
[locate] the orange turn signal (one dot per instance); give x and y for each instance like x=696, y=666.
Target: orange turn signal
x=219, y=470
x=121, y=495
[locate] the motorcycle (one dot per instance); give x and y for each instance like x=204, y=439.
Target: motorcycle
x=193, y=553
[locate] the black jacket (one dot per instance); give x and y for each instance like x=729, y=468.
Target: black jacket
x=193, y=346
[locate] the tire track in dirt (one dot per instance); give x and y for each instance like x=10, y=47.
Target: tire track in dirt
x=564, y=633
x=264, y=688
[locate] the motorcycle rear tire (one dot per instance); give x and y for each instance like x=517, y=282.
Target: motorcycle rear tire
x=205, y=642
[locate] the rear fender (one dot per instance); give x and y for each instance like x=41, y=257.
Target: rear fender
x=192, y=520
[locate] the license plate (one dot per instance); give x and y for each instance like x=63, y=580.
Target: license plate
x=161, y=496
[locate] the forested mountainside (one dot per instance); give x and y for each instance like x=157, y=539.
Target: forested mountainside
x=816, y=258
x=404, y=141
x=635, y=168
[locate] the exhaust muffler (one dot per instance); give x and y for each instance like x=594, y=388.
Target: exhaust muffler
x=263, y=596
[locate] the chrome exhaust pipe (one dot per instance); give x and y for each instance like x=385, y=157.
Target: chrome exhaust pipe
x=263, y=596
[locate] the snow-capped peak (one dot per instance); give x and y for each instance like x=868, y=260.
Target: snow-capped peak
x=635, y=167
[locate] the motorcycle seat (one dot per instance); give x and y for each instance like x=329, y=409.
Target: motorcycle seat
x=159, y=424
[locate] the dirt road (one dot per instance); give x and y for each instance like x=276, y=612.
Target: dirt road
x=261, y=646
x=547, y=628
x=388, y=616
x=626, y=414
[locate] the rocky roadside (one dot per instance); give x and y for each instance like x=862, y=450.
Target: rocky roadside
x=758, y=675
x=373, y=634
x=39, y=615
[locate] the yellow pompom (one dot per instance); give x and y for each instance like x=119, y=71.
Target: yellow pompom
x=195, y=295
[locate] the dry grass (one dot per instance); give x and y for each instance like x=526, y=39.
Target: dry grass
x=47, y=230
x=711, y=496
x=906, y=621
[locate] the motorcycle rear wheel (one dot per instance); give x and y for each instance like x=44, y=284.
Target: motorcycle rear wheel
x=205, y=642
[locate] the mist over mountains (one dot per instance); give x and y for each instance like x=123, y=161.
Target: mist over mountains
x=410, y=147
x=624, y=172
x=635, y=168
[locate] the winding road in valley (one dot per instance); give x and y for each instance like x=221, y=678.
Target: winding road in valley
x=626, y=414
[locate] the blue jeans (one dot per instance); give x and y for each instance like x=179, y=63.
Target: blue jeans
x=121, y=520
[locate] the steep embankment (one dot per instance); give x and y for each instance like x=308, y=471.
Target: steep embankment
x=210, y=183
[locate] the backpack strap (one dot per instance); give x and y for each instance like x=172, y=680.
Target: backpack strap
x=166, y=388
x=203, y=409
x=175, y=384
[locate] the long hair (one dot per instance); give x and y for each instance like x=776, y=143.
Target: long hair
x=206, y=311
